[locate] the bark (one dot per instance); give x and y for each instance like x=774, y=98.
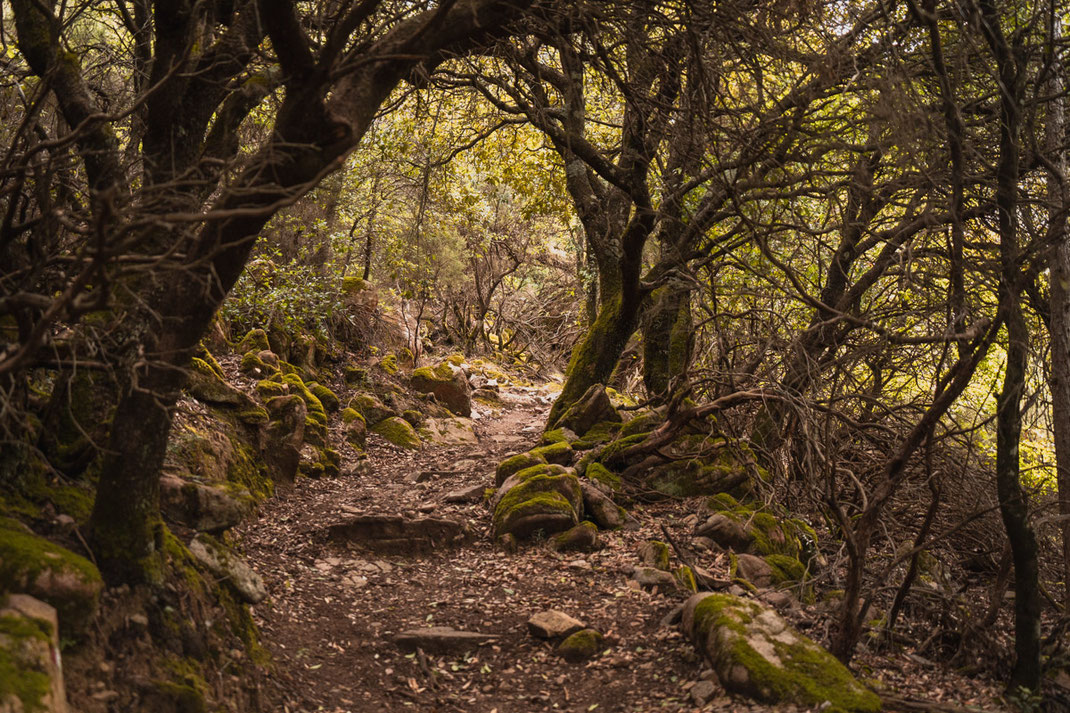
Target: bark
x=667, y=338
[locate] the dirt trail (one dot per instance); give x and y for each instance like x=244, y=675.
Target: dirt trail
x=333, y=610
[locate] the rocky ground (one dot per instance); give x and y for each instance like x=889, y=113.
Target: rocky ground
x=336, y=610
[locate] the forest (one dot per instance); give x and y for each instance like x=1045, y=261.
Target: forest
x=510, y=355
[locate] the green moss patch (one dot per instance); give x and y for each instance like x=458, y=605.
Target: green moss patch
x=22, y=675
x=398, y=432
x=256, y=340
x=515, y=464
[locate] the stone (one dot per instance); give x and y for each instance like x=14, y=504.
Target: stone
x=371, y=408
x=268, y=357
x=42, y=569
x=581, y=538
x=285, y=435
x=559, y=453
x=725, y=532
x=515, y=464
x=200, y=507
x=654, y=553
x=755, y=653
x=650, y=577
x=449, y=431
x=357, y=433
x=537, y=500
x=207, y=386
x=472, y=494
x=591, y=408
x=487, y=396
x=224, y=564
x=30, y=656
x=441, y=640
x=447, y=383
x=753, y=569
x=393, y=534
x=702, y=692
x=600, y=507
x=553, y=624
x=397, y=431
x=582, y=645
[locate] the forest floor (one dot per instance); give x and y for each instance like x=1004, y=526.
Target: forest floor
x=334, y=610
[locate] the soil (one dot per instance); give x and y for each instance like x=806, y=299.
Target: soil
x=333, y=610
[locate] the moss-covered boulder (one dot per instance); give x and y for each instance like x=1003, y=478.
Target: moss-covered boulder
x=255, y=367
x=601, y=508
x=228, y=566
x=447, y=383
x=371, y=408
x=33, y=565
x=203, y=507
x=515, y=464
x=221, y=449
x=641, y=423
x=557, y=435
x=755, y=653
x=31, y=677
x=356, y=431
x=756, y=530
x=655, y=553
x=397, y=431
x=544, y=499
x=207, y=386
x=704, y=465
x=255, y=340
x=592, y=407
x=285, y=433
x=560, y=453
x=605, y=479
x=328, y=398
x=581, y=538
x=268, y=389
x=601, y=433
x=584, y=644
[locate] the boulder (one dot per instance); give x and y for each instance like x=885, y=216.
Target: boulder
x=31, y=675
x=285, y=436
x=559, y=453
x=754, y=569
x=447, y=383
x=537, y=500
x=600, y=508
x=397, y=431
x=725, y=532
x=553, y=624
x=66, y=581
x=515, y=464
x=755, y=653
x=206, y=385
x=255, y=340
x=594, y=406
x=224, y=564
x=650, y=577
x=393, y=534
x=582, y=645
x=558, y=435
x=654, y=553
x=581, y=538
x=202, y=507
x=440, y=640
x=755, y=530
x=449, y=431
x=357, y=432
x=371, y=408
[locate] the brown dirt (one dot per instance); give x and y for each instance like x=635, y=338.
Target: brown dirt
x=333, y=609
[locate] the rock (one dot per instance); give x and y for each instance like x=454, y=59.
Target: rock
x=207, y=386
x=725, y=532
x=44, y=570
x=553, y=624
x=440, y=640
x=202, y=507
x=397, y=431
x=704, y=544
x=600, y=507
x=357, y=433
x=224, y=564
x=393, y=534
x=285, y=434
x=763, y=533
x=582, y=645
x=581, y=538
x=753, y=569
x=447, y=383
x=702, y=692
x=558, y=435
x=650, y=577
x=755, y=653
x=673, y=617
x=594, y=406
x=559, y=453
x=487, y=396
x=654, y=553
x=372, y=409
x=537, y=500
x=449, y=431
x=268, y=357
x=30, y=657
x=603, y=478
x=778, y=599
x=508, y=543
x=255, y=340
x=515, y=464
x=471, y=494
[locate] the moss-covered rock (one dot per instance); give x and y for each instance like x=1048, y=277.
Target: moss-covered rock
x=557, y=435
x=599, y=434
x=685, y=578
x=256, y=340
x=449, y=431
x=357, y=432
x=655, y=553
x=756, y=530
x=389, y=364
x=31, y=678
x=355, y=376
x=371, y=408
x=286, y=434
x=327, y=397
x=253, y=366
x=447, y=383
x=560, y=453
x=397, y=431
x=269, y=389
x=603, y=476
x=537, y=500
x=594, y=406
x=515, y=464
x=205, y=385
x=755, y=653
x=53, y=574
x=643, y=423
x=581, y=538
x=582, y=645
x=349, y=415
x=414, y=417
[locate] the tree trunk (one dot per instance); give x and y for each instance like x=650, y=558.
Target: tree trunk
x=667, y=338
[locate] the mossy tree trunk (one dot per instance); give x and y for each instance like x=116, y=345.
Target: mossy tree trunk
x=667, y=338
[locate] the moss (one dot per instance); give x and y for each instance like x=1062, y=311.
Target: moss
x=722, y=501
x=685, y=578
x=809, y=675
x=786, y=570
x=206, y=356
x=26, y=563
x=601, y=432
x=603, y=476
x=256, y=340
x=509, y=512
x=613, y=452
x=643, y=423
x=252, y=365
x=515, y=464
x=326, y=396
x=560, y=453
x=355, y=376
x=398, y=432
x=372, y=409
x=316, y=411
x=180, y=697
x=655, y=553
x=349, y=415
x=415, y=418
x=254, y=416
x=582, y=645
x=268, y=389
x=555, y=436
x=389, y=364
x=20, y=677
x=354, y=285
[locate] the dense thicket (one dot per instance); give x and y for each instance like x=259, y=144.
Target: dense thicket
x=843, y=226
